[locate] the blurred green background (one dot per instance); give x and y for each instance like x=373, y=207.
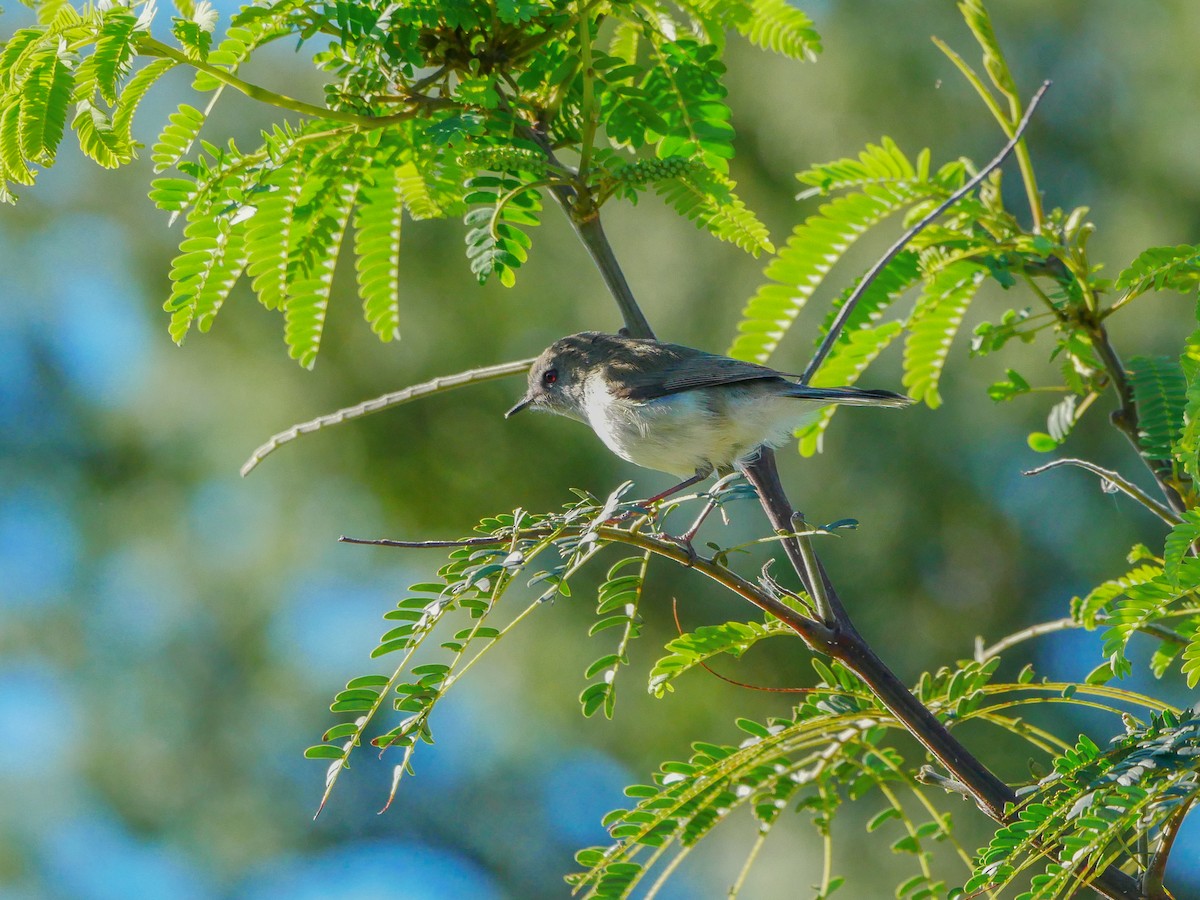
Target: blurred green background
x=170, y=634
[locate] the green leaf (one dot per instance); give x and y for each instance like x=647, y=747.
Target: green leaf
x=1162, y=268
x=114, y=51
x=324, y=751
x=212, y=256
x=307, y=300
x=934, y=323
x=1040, y=442
x=885, y=182
x=690, y=650
x=133, y=94
x=44, y=97
x=707, y=199
x=377, y=251
x=779, y=26
x=1179, y=544
x=177, y=137
x=1160, y=393
x=98, y=138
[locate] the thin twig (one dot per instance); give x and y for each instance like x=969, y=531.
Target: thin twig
x=930, y=775
x=1126, y=417
x=742, y=684
x=1118, y=481
x=848, y=307
x=814, y=633
x=395, y=398
x=983, y=654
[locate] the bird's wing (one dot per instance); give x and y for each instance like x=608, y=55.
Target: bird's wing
x=688, y=370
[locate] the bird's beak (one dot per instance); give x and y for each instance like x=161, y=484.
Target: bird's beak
x=525, y=401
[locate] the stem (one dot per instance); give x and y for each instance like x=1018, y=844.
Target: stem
x=835, y=329
x=587, y=109
x=983, y=654
x=585, y=219
x=1125, y=418
x=1006, y=124
x=812, y=632
x=591, y=232
x=150, y=47
x=1118, y=481
x=1152, y=880
x=437, y=385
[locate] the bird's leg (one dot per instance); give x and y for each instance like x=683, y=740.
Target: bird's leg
x=713, y=500
x=700, y=475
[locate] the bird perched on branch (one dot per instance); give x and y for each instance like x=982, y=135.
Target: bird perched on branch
x=676, y=409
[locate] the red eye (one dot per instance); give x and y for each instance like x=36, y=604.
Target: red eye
x=550, y=376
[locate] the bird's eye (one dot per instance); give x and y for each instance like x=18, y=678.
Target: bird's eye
x=550, y=376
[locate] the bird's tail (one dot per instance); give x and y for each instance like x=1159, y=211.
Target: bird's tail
x=849, y=396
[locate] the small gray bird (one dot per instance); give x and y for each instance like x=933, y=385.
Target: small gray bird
x=676, y=409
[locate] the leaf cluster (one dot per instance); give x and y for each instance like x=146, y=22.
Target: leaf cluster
x=454, y=108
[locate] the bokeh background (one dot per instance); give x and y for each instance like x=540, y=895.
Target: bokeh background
x=170, y=634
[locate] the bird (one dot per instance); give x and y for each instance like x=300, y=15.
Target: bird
x=676, y=409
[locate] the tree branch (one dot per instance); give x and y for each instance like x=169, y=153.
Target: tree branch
x=436, y=385
x=1152, y=880
x=843, y=315
x=1118, y=481
x=1125, y=417
x=836, y=635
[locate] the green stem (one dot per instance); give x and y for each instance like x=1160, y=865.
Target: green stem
x=587, y=107
x=1008, y=123
x=151, y=47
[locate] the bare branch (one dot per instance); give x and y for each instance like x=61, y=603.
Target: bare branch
x=395, y=398
x=983, y=654
x=848, y=307
x=1118, y=481
x=1152, y=880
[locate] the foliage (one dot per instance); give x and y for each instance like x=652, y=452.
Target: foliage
x=465, y=108
x=434, y=110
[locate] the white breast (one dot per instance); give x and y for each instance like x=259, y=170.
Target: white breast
x=693, y=430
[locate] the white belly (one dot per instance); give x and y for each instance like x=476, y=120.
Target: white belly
x=694, y=430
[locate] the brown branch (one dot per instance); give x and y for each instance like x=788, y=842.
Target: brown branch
x=1125, y=417
x=1152, y=880
x=835, y=634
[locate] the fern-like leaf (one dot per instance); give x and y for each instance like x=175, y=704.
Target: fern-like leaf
x=45, y=94
x=861, y=341
x=177, y=137
x=12, y=160
x=270, y=233
x=114, y=51
x=419, y=197
x=377, y=252
x=133, y=94
x=934, y=323
x=707, y=199
x=1162, y=269
x=211, y=258
x=1179, y=544
x=693, y=649
x=1160, y=393
x=779, y=26
x=308, y=295
x=814, y=247
x=97, y=136
x=496, y=242
x=848, y=361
